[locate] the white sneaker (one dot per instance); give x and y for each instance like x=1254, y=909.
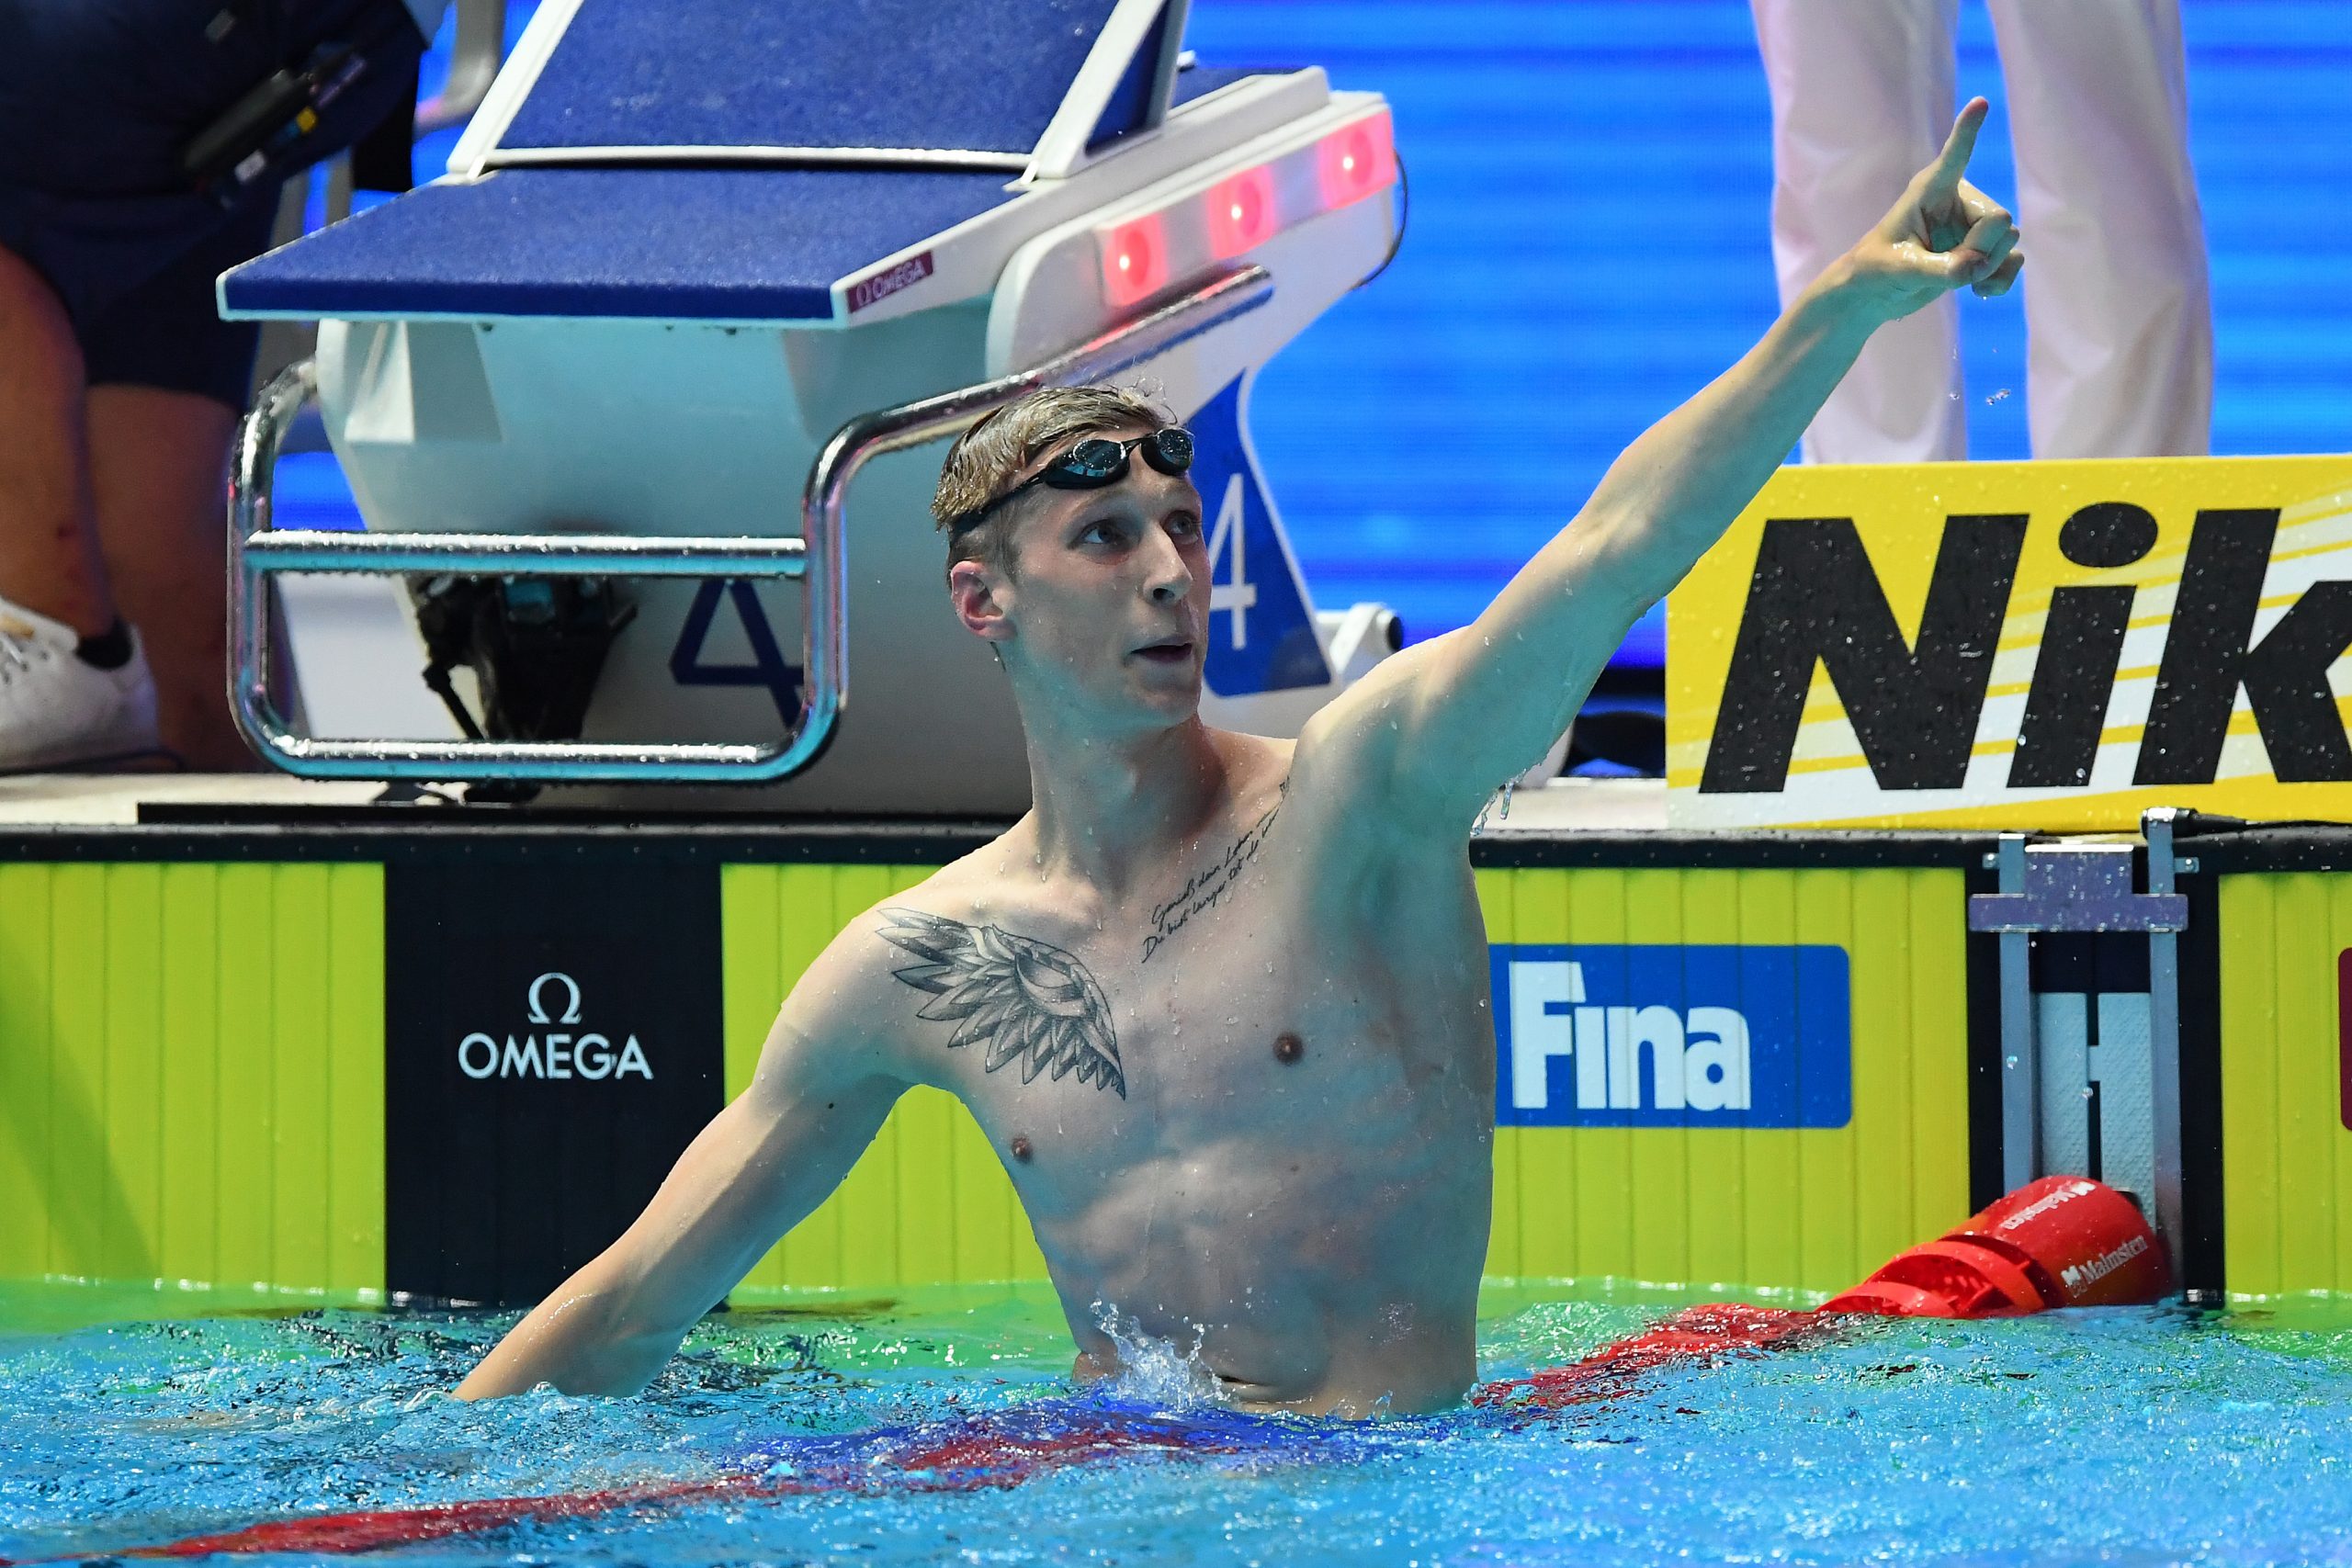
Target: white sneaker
x=57, y=709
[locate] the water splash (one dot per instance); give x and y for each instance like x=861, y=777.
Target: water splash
x=1501, y=798
x=1153, y=1372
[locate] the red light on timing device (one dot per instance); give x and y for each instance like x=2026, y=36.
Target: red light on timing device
x=1135, y=261
x=1241, y=213
x=1356, y=162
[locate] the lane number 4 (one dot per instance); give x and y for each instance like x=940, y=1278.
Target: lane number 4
x=1236, y=595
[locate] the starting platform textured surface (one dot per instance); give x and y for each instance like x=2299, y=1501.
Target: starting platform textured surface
x=977, y=75
x=674, y=244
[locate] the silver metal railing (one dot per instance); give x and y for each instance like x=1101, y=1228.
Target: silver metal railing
x=257, y=551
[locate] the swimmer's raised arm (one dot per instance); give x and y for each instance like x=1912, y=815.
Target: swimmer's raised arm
x=822, y=1090
x=1443, y=724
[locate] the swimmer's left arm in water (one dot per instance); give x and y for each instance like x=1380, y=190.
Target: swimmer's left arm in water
x=1446, y=722
x=826, y=1079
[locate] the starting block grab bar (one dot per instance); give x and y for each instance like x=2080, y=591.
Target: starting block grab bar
x=256, y=551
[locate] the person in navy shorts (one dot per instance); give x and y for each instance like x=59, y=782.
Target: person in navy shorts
x=143, y=145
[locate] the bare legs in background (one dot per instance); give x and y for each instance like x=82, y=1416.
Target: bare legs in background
x=112, y=504
x=160, y=462
x=49, y=542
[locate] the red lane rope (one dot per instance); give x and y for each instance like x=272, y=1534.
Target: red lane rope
x=1700, y=1334
x=371, y=1530
x=967, y=1461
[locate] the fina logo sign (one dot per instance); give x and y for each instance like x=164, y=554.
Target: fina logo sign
x=1672, y=1036
x=558, y=1054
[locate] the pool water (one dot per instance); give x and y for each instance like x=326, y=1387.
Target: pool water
x=2114, y=1436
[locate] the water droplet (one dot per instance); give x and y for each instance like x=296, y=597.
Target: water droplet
x=2009, y=1062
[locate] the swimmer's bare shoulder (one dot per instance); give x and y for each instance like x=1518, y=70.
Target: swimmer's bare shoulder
x=835, y=1061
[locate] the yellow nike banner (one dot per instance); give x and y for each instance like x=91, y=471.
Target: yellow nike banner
x=2057, y=646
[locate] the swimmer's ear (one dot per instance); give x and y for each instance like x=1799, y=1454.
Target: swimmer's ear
x=981, y=601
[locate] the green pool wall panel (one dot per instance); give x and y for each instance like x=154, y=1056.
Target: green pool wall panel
x=2286, y=1154
x=191, y=1085
x=191, y=1073
x=1796, y=1209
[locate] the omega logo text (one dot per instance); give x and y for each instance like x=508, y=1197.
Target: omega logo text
x=553, y=998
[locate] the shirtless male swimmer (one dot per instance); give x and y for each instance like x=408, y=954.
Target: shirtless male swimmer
x=1220, y=1002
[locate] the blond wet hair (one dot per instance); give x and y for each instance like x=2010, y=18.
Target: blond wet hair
x=987, y=458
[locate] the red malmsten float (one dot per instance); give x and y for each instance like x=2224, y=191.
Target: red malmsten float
x=2063, y=1241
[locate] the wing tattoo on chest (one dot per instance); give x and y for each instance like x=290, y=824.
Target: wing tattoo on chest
x=1020, y=998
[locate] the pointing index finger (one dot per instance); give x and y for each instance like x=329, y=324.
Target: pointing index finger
x=1943, y=174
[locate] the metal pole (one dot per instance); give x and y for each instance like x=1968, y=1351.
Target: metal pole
x=2163, y=1037
x=2021, y=1063
x=503, y=555
x=251, y=479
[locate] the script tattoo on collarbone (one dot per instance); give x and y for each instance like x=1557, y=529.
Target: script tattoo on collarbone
x=1022, y=998
x=1203, y=889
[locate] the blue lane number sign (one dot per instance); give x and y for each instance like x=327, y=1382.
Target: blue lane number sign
x=1261, y=634
x=1670, y=1036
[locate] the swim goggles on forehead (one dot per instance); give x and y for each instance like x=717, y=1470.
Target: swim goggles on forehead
x=1095, y=463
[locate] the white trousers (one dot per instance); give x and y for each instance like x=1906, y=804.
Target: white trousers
x=2118, y=326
